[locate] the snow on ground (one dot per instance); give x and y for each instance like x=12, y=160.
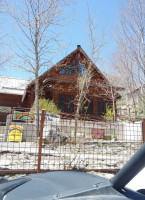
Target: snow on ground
x=24, y=156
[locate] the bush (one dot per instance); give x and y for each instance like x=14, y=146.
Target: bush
x=49, y=106
x=109, y=114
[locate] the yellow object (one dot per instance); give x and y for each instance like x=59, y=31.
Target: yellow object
x=15, y=134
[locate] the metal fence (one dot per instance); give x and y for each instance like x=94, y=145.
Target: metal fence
x=66, y=144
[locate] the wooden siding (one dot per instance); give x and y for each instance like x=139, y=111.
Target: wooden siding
x=10, y=100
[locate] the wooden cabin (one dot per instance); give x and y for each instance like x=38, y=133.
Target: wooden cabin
x=63, y=82
x=11, y=92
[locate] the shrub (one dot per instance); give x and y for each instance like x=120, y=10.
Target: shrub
x=109, y=114
x=47, y=105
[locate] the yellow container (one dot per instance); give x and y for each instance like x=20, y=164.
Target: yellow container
x=15, y=134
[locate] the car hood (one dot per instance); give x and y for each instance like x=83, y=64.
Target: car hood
x=59, y=185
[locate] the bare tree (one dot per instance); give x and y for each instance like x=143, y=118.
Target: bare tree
x=122, y=65
x=37, y=20
x=96, y=44
x=3, y=56
x=130, y=53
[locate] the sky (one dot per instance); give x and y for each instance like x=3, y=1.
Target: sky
x=73, y=34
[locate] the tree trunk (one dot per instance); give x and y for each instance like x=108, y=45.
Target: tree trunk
x=78, y=112
x=82, y=92
x=37, y=100
x=36, y=81
x=113, y=101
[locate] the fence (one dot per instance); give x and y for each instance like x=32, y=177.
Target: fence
x=66, y=144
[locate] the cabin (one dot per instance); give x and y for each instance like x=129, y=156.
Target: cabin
x=11, y=92
x=73, y=80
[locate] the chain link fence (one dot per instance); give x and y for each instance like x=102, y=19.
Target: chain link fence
x=65, y=144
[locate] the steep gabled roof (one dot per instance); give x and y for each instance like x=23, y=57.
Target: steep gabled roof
x=58, y=65
x=77, y=50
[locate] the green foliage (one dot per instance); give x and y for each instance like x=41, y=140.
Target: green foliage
x=47, y=105
x=109, y=114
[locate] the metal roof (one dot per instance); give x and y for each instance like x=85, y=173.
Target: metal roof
x=9, y=85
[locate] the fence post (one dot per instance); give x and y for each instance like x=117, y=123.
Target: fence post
x=143, y=130
x=40, y=140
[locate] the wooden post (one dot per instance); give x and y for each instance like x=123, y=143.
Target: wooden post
x=40, y=140
x=143, y=130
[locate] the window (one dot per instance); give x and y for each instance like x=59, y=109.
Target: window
x=82, y=70
x=87, y=106
x=102, y=106
x=70, y=69
x=66, y=103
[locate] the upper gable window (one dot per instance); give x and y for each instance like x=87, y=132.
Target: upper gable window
x=70, y=69
x=82, y=71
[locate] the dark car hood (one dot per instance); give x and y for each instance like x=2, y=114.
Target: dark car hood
x=59, y=185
